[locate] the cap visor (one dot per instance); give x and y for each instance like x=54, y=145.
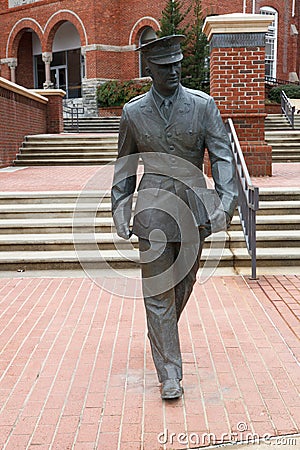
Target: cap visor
x=169, y=59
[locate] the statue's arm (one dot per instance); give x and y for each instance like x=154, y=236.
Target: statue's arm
x=124, y=181
x=221, y=159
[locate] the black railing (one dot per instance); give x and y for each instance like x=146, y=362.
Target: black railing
x=73, y=112
x=287, y=109
x=248, y=197
x=278, y=81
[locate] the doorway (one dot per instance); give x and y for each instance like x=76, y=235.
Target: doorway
x=59, y=77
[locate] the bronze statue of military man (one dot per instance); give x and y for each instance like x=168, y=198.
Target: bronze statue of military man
x=168, y=129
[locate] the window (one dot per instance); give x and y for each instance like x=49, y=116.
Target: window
x=271, y=42
x=66, y=71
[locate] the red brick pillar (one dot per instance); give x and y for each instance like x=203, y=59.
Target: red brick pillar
x=55, y=121
x=237, y=81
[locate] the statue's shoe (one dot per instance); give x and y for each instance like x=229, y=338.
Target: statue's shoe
x=171, y=389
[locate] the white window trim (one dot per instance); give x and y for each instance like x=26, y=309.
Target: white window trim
x=271, y=10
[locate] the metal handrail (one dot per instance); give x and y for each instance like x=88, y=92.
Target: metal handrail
x=248, y=196
x=287, y=109
x=74, y=112
x=278, y=81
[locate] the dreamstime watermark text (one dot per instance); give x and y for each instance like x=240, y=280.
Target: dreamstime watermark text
x=241, y=435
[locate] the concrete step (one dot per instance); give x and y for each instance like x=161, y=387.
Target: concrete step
x=91, y=259
x=268, y=257
x=100, y=259
x=93, y=196
x=108, y=241
x=68, y=260
x=94, y=124
x=56, y=225
x=103, y=209
x=64, y=149
x=64, y=241
x=69, y=149
x=272, y=222
x=276, y=122
x=68, y=142
x=279, y=194
x=278, y=137
x=91, y=128
x=285, y=145
x=268, y=239
x=279, y=122
x=40, y=226
x=84, y=241
x=84, y=155
x=75, y=137
x=44, y=210
x=62, y=162
x=277, y=207
x=291, y=147
x=50, y=197
x=285, y=159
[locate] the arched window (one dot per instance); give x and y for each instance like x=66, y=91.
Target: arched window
x=147, y=35
x=271, y=42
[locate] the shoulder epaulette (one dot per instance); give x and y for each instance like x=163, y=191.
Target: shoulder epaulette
x=138, y=97
x=198, y=93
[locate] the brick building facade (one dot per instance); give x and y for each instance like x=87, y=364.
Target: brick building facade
x=74, y=45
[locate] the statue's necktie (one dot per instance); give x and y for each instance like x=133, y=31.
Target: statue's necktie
x=166, y=108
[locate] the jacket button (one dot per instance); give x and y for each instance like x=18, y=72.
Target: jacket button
x=169, y=134
x=171, y=148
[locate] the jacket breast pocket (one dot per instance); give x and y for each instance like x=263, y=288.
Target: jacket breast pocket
x=188, y=137
x=147, y=141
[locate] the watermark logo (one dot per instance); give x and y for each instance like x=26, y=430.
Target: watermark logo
x=241, y=435
x=158, y=196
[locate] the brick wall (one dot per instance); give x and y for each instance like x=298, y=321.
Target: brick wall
x=238, y=87
x=21, y=115
x=24, y=77
x=114, y=23
x=54, y=118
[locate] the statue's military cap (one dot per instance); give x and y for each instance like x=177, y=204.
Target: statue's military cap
x=165, y=50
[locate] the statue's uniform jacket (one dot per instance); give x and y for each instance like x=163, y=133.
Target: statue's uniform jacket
x=172, y=151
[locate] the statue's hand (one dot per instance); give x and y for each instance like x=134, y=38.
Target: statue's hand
x=123, y=231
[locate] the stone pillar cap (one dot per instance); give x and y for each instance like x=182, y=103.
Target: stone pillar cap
x=49, y=92
x=237, y=23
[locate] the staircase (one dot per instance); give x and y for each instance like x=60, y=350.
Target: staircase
x=41, y=231
x=38, y=231
x=67, y=149
x=285, y=142
x=285, y=145
x=93, y=125
x=278, y=232
x=275, y=122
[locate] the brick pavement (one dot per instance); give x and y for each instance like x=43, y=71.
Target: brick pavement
x=76, y=370
x=68, y=178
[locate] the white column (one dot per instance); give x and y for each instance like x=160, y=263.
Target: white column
x=47, y=58
x=83, y=69
x=12, y=64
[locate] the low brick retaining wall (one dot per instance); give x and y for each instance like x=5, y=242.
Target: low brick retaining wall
x=26, y=112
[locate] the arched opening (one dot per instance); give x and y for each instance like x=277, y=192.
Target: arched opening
x=67, y=67
x=25, y=68
x=271, y=42
x=147, y=35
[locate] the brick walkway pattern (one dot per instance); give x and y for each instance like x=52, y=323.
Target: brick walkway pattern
x=76, y=370
x=68, y=178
